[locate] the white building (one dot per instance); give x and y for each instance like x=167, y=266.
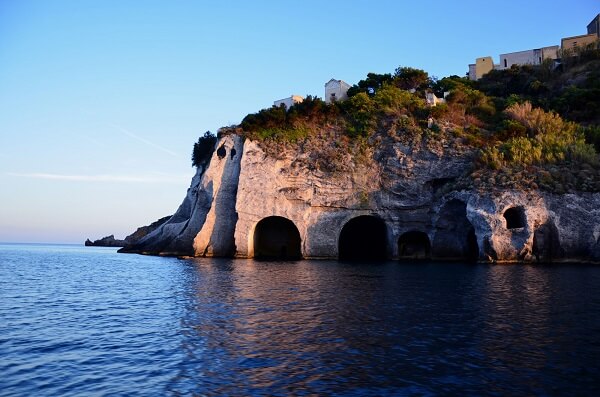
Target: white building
x=336, y=90
x=528, y=57
x=433, y=100
x=289, y=102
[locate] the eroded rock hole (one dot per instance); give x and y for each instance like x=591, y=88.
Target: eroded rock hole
x=515, y=218
x=233, y=152
x=221, y=152
x=277, y=238
x=414, y=245
x=455, y=237
x=363, y=238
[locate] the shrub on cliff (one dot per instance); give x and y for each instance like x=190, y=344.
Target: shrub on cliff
x=408, y=78
x=273, y=117
x=450, y=83
x=469, y=101
x=203, y=149
x=371, y=84
x=364, y=113
x=360, y=113
x=545, y=139
x=290, y=124
x=592, y=136
x=572, y=88
x=392, y=101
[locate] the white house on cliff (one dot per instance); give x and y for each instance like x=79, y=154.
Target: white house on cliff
x=289, y=101
x=336, y=90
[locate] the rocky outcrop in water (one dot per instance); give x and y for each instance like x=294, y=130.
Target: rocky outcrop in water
x=133, y=238
x=401, y=201
x=108, y=241
x=143, y=231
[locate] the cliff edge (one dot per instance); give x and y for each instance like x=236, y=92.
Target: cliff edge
x=398, y=203
x=488, y=171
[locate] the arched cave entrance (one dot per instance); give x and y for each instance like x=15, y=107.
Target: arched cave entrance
x=277, y=238
x=515, y=218
x=455, y=237
x=414, y=245
x=546, y=243
x=363, y=238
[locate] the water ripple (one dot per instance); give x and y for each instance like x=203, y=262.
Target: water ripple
x=88, y=321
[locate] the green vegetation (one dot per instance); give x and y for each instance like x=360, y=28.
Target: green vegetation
x=571, y=88
x=538, y=137
x=359, y=116
x=371, y=84
x=408, y=78
x=203, y=149
x=529, y=126
x=405, y=78
x=288, y=125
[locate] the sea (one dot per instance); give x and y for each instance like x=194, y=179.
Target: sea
x=87, y=321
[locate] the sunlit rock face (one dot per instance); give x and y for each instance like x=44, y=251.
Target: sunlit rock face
x=215, y=237
x=393, y=204
x=193, y=230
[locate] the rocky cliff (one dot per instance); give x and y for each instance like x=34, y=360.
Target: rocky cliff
x=108, y=241
x=401, y=200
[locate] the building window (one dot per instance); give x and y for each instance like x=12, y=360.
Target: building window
x=505, y=63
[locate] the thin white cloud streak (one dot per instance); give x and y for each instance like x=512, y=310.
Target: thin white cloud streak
x=144, y=140
x=175, y=179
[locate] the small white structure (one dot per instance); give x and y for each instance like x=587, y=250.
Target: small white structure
x=336, y=90
x=472, y=73
x=289, y=102
x=433, y=100
x=528, y=57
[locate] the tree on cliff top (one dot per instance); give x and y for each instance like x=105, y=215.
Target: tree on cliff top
x=371, y=84
x=408, y=78
x=203, y=149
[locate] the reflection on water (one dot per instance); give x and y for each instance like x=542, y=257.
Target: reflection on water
x=326, y=328
x=77, y=322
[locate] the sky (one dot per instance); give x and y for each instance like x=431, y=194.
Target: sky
x=101, y=101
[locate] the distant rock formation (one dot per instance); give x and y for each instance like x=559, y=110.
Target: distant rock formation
x=133, y=238
x=141, y=232
x=108, y=241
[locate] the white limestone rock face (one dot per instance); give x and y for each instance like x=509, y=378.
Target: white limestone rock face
x=274, y=187
x=221, y=180
x=577, y=222
x=176, y=236
x=498, y=239
x=554, y=227
x=401, y=185
x=396, y=185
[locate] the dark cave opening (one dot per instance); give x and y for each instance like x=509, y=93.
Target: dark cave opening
x=363, y=238
x=515, y=218
x=414, y=245
x=277, y=238
x=455, y=237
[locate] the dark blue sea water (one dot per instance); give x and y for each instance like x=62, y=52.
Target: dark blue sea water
x=78, y=321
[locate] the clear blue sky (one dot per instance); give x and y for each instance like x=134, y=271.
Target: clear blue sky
x=101, y=101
